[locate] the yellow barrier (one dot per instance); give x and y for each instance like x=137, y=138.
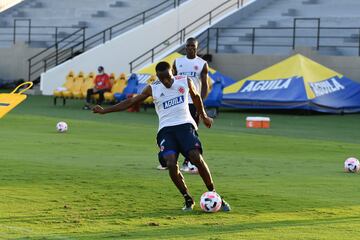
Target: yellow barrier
x=8, y=101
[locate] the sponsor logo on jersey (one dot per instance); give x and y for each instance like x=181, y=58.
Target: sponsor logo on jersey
x=326, y=87
x=189, y=74
x=4, y=104
x=162, y=95
x=173, y=102
x=178, y=77
x=255, y=86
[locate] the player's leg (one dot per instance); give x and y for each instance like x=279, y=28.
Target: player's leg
x=191, y=147
x=197, y=159
x=195, y=116
x=169, y=153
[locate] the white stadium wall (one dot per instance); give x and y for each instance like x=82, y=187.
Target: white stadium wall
x=116, y=54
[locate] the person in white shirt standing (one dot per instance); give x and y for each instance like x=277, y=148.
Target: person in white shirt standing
x=196, y=69
x=176, y=132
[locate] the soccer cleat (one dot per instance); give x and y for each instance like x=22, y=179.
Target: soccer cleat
x=184, y=168
x=188, y=205
x=161, y=167
x=225, y=207
x=86, y=107
x=192, y=169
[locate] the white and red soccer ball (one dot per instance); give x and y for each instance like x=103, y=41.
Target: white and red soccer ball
x=61, y=127
x=352, y=165
x=210, y=202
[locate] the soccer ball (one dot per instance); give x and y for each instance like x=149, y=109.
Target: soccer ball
x=352, y=165
x=210, y=202
x=61, y=127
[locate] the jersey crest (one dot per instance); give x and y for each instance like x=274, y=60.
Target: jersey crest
x=181, y=90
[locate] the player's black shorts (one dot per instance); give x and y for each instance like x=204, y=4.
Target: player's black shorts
x=177, y=139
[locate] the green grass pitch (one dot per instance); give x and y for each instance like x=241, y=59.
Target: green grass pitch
x=98, y=181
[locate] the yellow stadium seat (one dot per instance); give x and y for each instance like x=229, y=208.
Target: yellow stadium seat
x=91, y=76
x=151, y=79
x=66, y=86
x=149, y=101
x=117, y=87
x=112, y=78
x=87, y=84
x=75, y=90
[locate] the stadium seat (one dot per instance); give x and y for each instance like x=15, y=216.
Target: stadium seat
x=59, y=92
x=213, y=100
x=117, y=87
x=76, y=89
x=112, y=78
x=131, y=88
x=87, y=84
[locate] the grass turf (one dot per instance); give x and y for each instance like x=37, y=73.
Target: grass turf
x=98, y=181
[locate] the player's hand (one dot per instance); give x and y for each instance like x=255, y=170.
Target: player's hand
x=98, y=109
x=208, y=121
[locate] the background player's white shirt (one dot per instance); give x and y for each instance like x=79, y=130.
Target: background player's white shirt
x=171, y=104
x=191, y=68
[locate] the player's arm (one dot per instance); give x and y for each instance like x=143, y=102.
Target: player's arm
x=204, y=81
x=174, y=70
x=199, y=104
x=123, y=105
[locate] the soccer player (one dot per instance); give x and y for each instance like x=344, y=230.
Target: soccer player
x=176, y=132
x=196, y=69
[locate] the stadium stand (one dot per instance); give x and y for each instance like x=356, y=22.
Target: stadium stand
x=274, y=22
x=91, y=14
x=76, y=87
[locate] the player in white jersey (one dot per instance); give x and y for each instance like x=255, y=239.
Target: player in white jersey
x=176, y=127
x=196, y=69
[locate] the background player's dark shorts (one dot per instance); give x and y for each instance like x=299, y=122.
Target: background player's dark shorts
x=177, y=139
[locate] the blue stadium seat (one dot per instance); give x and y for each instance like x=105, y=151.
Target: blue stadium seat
x=215, y=96
x=131, y=88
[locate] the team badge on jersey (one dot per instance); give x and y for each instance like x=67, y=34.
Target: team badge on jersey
x=181, y=90
x=196, y=67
